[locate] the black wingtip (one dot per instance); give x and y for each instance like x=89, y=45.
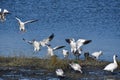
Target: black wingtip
x=35, y=20
x=60, y=47
x=87, y=41
x=63, y=46
x=67, y=40
x=51, y=36
x=24, y=39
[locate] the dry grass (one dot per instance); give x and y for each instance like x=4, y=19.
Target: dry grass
x=49, y=64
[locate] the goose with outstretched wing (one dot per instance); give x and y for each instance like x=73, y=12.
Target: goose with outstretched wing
x=22, y=24
x=46, y=41
x=3, y=14
x=36, y=44
x=51, y=50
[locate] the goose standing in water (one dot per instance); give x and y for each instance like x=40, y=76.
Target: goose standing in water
x=51, y=50
x=76, y=67
x=37, y=44
x=59, y=73
x=112, y=66
x=97, y=54
x=3, y=14
x=22, y=24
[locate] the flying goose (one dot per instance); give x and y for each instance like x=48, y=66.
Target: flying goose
x=77, y=44
x=51, y=50
x=112, y=66
x=22, y=24
x=47, y=40
x=37, y=44
x=3, y=14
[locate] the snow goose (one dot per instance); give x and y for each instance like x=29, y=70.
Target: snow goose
x=47, y=40
x=72, y=44
x=76, y=67
x=22, y=24
x=65, y=53
x=60, y=72
x=81, y=42
x=37, y=44
x=51, y=50
x=112, y=66
x=77, y=53
x=97, y=54
x=3, y=14
x=77, y=44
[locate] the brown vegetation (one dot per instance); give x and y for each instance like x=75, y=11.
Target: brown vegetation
x=50, y=64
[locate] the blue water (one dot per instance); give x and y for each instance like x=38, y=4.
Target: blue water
x=98, y=20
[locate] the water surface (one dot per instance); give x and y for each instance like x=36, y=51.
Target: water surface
x=98, y=20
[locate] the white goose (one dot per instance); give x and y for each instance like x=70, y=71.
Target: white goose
x=76, y=45
x=77, y=53
x=72, y=44
x=22, y=24
x=46, y=41
x=65, y=53
x=37, y=44
x=112, y=66
x=51, y=50
x=3, y=14
x=97, y=54
x=76, y=67
x=59, y=72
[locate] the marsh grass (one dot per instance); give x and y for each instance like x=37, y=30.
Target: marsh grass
x=49, y=64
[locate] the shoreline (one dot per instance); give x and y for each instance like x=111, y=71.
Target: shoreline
x=50, y=63
x=17, y=67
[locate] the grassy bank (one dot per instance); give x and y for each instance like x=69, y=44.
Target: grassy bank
x=49, y=64
x=17, y=65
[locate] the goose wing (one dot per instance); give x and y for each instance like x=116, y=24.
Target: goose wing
x=18, y=19
x=81, y=42
x=30, y=42
x=5, y=11
x=47, y=40
x=0, y=10
x=68, y=40
x=30, y=21
x=58, y=47
x=0, y=13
